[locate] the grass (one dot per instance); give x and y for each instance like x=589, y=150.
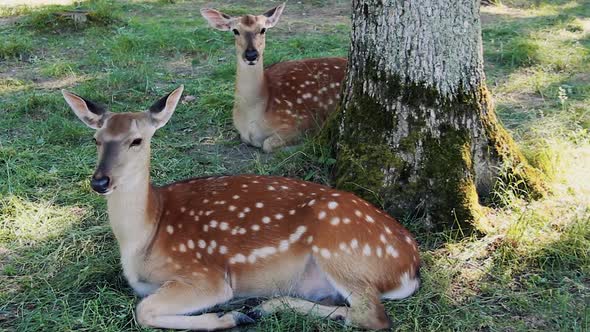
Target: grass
x=528, y=270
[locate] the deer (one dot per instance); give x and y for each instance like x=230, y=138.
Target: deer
x=279, y=105
x=193, y=244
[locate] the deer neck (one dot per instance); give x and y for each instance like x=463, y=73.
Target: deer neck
x=133, y=210
x=251, y=91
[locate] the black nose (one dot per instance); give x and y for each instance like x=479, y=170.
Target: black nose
x=251, y=55
x=100, y=184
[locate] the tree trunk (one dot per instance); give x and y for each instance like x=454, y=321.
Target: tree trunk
x=417, y=132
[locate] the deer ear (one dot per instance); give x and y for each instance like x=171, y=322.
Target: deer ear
x=161, y=111
x=90, y=113
x=272, y=16
x=217, y=19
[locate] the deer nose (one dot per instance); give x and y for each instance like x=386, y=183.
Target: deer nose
x=251, y=55
x=100, y=184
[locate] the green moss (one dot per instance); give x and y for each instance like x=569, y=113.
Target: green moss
x=519, y=172
x=440, y=185
x=360, y=167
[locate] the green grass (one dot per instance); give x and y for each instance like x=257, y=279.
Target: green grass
x=529, y=269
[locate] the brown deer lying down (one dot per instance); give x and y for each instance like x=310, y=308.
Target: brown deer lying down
x=276, y=106
x=190, y=245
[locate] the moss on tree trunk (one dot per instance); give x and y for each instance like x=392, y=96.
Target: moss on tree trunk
x=417, y=133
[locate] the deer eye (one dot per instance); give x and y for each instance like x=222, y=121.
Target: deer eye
x=236, y=32
x=262, y=31
x=97, y=143
x=136, y=142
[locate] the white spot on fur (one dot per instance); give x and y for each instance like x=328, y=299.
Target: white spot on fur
x=297, y=235
x=332, y=205
x=170, y=229
x=325, y=253
x=202, y=244
x=265, y=220
x=239, y=258
x=358, y=213
x=182, y=247
x=322, y=215
x=283, y=245
x=346, y=220
x=255, y=227
x=223, y=250
x=291, y=212
x=379, y=252
x=369, y=218
x=392, y=251
x=236, y=196
x=367, y=250
x=278, y=216
x=191, y=244
x=335, y=221
x=223, y=226
x=354, y=243
x=232, y=207
x=259, y=205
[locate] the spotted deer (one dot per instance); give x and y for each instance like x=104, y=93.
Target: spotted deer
x=276, y=106
x=190, y=245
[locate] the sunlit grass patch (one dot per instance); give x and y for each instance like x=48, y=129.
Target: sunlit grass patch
x=11, y=85
x=61, y=19
x=59, y=68
x=15, y=46
x=28, y=222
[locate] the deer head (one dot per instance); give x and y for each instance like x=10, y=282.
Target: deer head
x=249, y=30
x=122, y=139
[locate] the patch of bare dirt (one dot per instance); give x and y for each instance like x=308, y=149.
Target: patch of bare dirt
x=8, y=21
x=60, y=83
x=181, y=66
x=521, y=100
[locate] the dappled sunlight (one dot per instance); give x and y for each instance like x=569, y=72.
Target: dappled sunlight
x=36, y=3
x=62, y=82
x=518, y=13
x=23, y=221
x=10, y=85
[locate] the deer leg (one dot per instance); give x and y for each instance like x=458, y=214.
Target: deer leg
x=301, y=306
x=169, y=306
x=278, y=140
x=366, y=309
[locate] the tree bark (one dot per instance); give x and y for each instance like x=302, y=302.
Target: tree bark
x=416, y=132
